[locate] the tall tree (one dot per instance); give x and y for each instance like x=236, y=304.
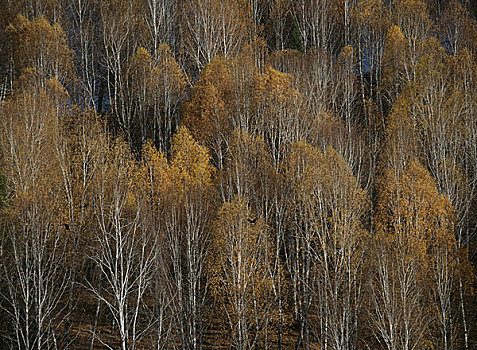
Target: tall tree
x=155, y=91
x=326, y=246
x=155, y=172
x=121, y=36
x=188, y=212
x=124, y=249
x=411, y=223
x=278, y=112
x=85, y=41
x=240, y=277
x=33, y=260
x=315, y=23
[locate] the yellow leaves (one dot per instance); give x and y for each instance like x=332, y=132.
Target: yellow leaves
x=170, y=69
x=24, y=125
x=277, y=104
x=347, y=62
x=371, y=13
x=152, y=76
x=276, y=88
x=413, y=215
x=394, y=39
x=141, y=61
x=210, y=108
x=155, y=167
x=325, y=191
x=232, y=220
x=30, y=164
x=413, y=18
x=395, y=57
x=309, y=170
x=160, y=182
x=42, y=46
x=346, y=53
x=252, y=57
x=249, y=166
x=240, y=254
x=432, y=64
x=190, y=162
x=303, y=167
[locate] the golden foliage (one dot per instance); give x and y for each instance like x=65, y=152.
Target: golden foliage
x=209, y=111
x=412, y=215
x=41, y=46
x=394, y=61
x=190, y=162
x=275, y=90
x=239, y=269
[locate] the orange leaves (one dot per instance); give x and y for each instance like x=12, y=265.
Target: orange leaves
x=170, y=70
x=326, y=195
x=156, y=87
x=154, y=168
x=315, y=173
x=421, y=202
x=232, y=224
x=371, y=13
x=278, y=119
x=395, y=41
x=277, y=98
x=208, y=114
x=25, y=126
x=141, y=70
x=394, y=62
x=303, y=167
x=28, y=144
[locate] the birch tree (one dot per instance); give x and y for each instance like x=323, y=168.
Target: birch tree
x=124, y=249
x=34, y=245
x=239, y=275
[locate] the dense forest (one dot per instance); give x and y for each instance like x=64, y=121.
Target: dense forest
x=244, y=174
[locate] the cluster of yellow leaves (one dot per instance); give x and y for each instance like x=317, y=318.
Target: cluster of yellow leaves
x=152, y=76
x=328, y=204
x=412, y=216
x=41, y=46
x=275, y=91
x=239, y=267
x=28, y=127
x=190, y=162
x=209, y=110
x=395, y=57
x=371, y=13
x=315, y=174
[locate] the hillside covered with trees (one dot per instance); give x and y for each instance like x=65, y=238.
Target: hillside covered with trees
x=238, y=174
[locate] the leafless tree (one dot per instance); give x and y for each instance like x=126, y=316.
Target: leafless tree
x=124, y=250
